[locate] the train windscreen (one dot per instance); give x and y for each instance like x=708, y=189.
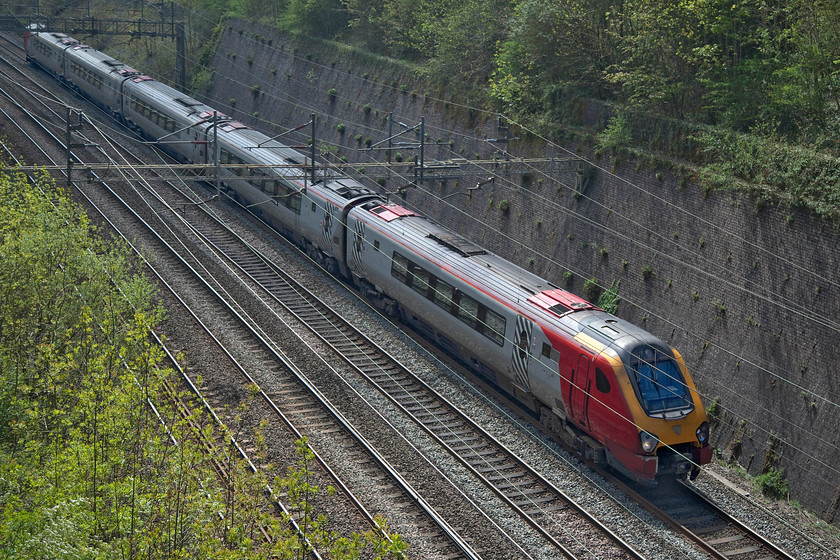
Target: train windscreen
x=659, y=381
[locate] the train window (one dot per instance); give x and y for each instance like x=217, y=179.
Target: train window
x=313, y=206
x=494, y=326
x=399, y=267
x=294, y=203
x=601, y=381
x=444, y=295
x=546, y=349
x=468, y=310
x=659, y=381
x=420, y=280
x=375, y=244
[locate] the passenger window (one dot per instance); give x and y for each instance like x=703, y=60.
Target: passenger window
x=443, y=295
x=399, y=267
x=494, y=327
x=420, y=280
x=294, y=203
x=601, y=381
x=468, y=310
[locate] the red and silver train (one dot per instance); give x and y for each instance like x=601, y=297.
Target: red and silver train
x=619, y=394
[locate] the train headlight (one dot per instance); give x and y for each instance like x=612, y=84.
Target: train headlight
x=649, y=441
x=703, y=433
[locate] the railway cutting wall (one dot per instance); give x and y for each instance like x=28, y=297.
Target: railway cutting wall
x=749, y=293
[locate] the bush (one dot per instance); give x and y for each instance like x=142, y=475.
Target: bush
x=616, y=134
x=772, y=484
x=608, y=301
x=591, y=289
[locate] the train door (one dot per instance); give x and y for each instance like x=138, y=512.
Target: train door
x=579, y=399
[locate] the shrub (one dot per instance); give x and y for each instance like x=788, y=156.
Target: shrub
x=608, y=301
x=591, y=289
x=616, y=134
x=772, y=484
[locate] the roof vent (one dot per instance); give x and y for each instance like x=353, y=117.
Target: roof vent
x=458, y=244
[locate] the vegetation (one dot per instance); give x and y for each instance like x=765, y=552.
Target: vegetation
x=745, y=92
x=772, y=484
x=87, y=470
x=592, y=289
x=609, y=299
x=726, y=86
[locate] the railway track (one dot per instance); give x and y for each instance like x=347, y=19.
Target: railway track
x=691, y=513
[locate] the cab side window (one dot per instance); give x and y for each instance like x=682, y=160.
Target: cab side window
x=601, y=381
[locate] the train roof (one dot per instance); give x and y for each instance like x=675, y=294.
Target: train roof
x=87, y=54
x=486, y=270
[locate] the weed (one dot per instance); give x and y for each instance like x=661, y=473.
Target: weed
x=713, y=411
x=609, y=300
x=591, y=289
x=772, y=484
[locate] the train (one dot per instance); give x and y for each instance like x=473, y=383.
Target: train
x=616, y=393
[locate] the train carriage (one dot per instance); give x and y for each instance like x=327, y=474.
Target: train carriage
x=93, y=73
x=180, y=123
